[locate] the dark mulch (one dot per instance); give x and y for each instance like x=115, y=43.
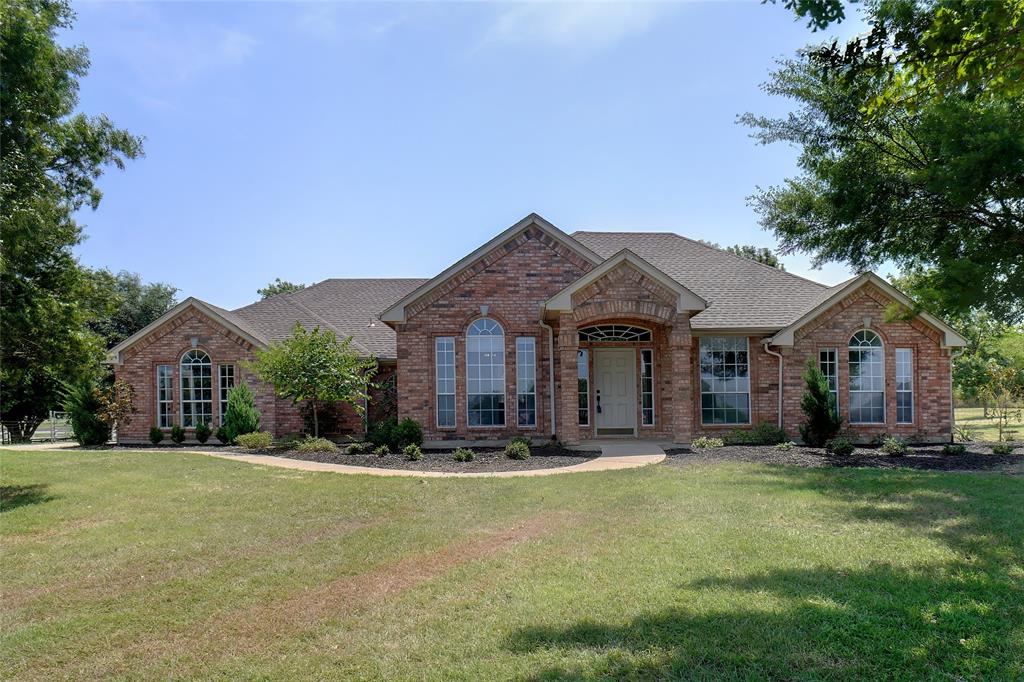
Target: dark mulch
x=978, y=458
x=484, y=460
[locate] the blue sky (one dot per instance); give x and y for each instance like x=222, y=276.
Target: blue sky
x=315, y=140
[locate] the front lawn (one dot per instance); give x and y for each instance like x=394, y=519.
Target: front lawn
x=160, y=564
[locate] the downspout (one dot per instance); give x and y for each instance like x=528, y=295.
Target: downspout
x=779, y=356
x=551, y=370
x=954, y=353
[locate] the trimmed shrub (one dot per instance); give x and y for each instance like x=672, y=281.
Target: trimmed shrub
x=894, y=446
x=155, y=435
x=178, y=434
x=517, y=450
x=463, y=455
x=819, y=406
x=521, y=439
x=241, y=416
x=358, y=448
x=1002, y=448
x=788, y=445
x=311, y=444
x=382, y=433
x=257, y=440
x=381, y=451
x=412, y=452
x=203, y=433
x=83, y=405
x=840, y=445
x=408, y=432
x=396, y=434
x=704, y=443
x=765, y=433
x=223, y=436
x=954, y=449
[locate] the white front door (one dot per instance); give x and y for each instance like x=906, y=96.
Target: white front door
x=615, y=389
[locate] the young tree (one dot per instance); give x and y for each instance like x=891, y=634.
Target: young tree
x=819, y=407
x=50, y=158
x=1003, y=393
x=279, y=286
x=242, y=417
x=314, y=366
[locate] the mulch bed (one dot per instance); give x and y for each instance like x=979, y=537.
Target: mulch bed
x=977, y=458
x=484, y=460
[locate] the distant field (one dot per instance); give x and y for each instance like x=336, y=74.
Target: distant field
x=975, y=417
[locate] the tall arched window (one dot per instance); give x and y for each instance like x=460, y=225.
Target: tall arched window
x=485, y=373
x=867, y=378
x=196, y=389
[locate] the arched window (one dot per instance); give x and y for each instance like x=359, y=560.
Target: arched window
x=196, y=389
x=614, y=332
x=867, y=378
x=485, y=373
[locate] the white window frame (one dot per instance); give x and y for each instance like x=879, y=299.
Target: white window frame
x=649, y=376
x=908, y=364
x=833, y=379
x=859, y=350
x=164, y=420
x=449, y=379
x=530, y=365
x=583, y=354
x=222, y=390
x=500, y=345
x=192, y=400
x=700, y=372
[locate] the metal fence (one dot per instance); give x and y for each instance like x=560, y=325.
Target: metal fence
x=54, y=428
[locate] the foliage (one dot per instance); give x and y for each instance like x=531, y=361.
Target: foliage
x=223, y=435
x=819, y=408
x=241, y=416
x=396, y=434
x=463, y=455
x=358, y=448
x=1002, y=392
x=257, y=440
x=408, y=432
x=965, y=433
x=134, y=304
x=156, y=435
x=82, y=403
x=894, y=446
x=202, y=432
x=954, y=449
x=521, y=439
x=1002, y=448
x=279, y=286
x=785, y=446
x=765, y=433
x=412, y=452
x=840, y=445
x=178, y=434
x=50, y=160
x=313, y=366
x=911, y=141
x=705, y=442
x=760, y=254
x=117, y=403
x=382, y=451
x=517, y=450
x=311, y=444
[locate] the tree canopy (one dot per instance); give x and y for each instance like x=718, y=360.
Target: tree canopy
x=279, y=286
x=761, y=254
x=134, y=304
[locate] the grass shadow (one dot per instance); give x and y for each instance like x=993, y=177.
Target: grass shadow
x=15, y=496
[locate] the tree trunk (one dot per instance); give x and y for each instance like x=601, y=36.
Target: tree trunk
x=316, y=418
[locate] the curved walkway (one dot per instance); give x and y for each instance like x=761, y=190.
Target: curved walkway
x=614, y=455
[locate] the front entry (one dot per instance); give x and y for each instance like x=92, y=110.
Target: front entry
x=615, y=391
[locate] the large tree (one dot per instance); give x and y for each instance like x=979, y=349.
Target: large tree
x=279, y=286
x=135, y=304
x=50, y=159
x=761, y=254
x=911, y=142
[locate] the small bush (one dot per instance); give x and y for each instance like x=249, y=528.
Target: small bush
x=1002, y=448
x=155, y=435
x=396, y=434
x=203, y=433
x=241, y=416
x=966, y=433
x=82, y=403
x=358, y=448
x=382, y=451
x=463, y=455
x=258, y=440
x=521, y=439
x=894, y=446
x=517, y=450
x=178, y=434
x=223, y=435
x=840, y=445
x=408, y=432
x=311, y=444
x=954, y=449
x=704, y=443
x=412, y=452
x=822, y=422
x=787, y=445
x=765, y=433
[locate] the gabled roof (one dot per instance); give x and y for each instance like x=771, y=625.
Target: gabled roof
x=396, y=312
x=687, y=300
x=951, y=337
x=741, y=294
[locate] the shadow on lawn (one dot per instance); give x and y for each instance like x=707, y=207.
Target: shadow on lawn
x=960, y=618
x=14, y=496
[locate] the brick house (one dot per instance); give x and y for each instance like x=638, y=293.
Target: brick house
x=594, y=334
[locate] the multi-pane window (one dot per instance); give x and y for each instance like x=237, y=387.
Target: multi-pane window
x=227, y=382
x=904, y=386
x=164, y=395
x=724, y=380
x=614, y=332
x=196, y=389
x=485, y=373
x=583, y=376
x=828, y=363
x=867, y=378
x=526, y=381
x=646, y=386
x=444, y=363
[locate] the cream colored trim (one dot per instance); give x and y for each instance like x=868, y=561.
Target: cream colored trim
x=686, y=299
x=396, y=313
x=951, y=338
x=114, y=354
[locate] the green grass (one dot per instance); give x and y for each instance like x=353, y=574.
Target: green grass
x=986, y=428
x=163, y=564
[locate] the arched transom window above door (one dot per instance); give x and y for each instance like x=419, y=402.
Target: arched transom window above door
x=614, y=332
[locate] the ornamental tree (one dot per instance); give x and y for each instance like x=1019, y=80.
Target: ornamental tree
x=315, y=367
x=819, y=407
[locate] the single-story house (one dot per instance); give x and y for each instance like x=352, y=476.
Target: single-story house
x=578, y=336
